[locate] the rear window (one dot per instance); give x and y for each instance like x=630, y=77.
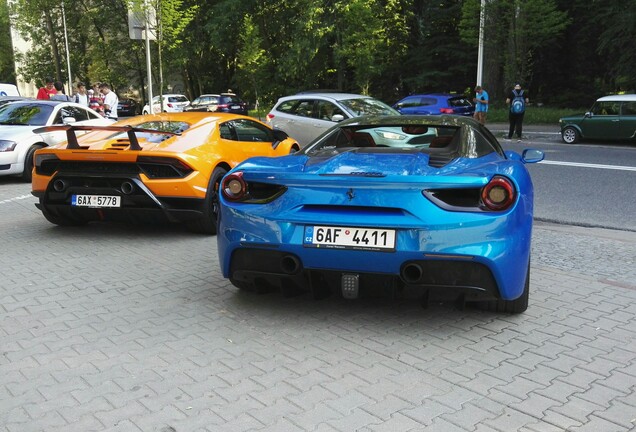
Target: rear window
x=177, y=99
x=367, y=106
x=230, y=99
x=459, y=102
x=302, y=108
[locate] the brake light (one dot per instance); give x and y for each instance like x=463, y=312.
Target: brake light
x=221, y=106
x=499, y=194
x=170, y=105
x=234, y=187
x=270, y=116
x=447, y=110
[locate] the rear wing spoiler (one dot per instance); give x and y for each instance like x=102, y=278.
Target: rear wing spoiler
x=71, y=137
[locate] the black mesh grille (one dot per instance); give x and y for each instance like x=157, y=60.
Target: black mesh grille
x=152, y=170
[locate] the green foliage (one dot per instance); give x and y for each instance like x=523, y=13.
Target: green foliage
x=7, y=74
x=565, y=52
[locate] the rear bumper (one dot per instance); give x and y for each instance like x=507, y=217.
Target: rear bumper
x=440, y=279
x=138, y=202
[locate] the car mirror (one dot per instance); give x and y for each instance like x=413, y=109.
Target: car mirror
x=532, y=156
x=337, y=118
x=588, y=114
x=68, y=120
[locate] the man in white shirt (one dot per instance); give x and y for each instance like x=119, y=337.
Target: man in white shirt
x=110, y=101
x=81, y=97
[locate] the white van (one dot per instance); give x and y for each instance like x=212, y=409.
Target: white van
x=8, y=90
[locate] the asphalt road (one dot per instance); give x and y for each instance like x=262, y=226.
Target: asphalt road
x=586, y=184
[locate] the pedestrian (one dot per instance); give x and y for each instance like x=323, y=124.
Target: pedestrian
x=481, y=104
x=110, y=101
x=47, y=90
x=517, y=101
x=59, y=95
x=81, y=97
x=94, y=102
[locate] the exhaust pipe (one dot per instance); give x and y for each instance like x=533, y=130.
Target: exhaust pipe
x=127, y=188
x=412, y=273
x=289, y=264
x=59, y=185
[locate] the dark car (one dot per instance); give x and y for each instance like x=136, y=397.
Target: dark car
x=224, y=102
x=610, y=118
x=127, y=107
x=435, y=104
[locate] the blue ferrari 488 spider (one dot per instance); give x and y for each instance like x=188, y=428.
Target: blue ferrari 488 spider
x=420, y=204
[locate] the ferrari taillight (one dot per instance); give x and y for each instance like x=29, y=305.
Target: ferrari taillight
x=234, y=187
x=499, y=194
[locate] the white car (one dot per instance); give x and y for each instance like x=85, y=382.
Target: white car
x=18, y=119
x=171, y=103
x=308, y=114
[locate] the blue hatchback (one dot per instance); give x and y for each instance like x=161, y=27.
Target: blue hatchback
x=435, y=104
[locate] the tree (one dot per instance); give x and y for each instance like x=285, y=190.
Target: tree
x=522, y=28
x=7, y=73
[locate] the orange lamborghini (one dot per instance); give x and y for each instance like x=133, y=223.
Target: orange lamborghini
x=155, y=167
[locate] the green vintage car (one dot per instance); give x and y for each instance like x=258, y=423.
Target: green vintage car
x=610, y=118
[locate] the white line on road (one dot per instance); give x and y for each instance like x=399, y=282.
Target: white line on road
x=21, y=197
x=586, y=165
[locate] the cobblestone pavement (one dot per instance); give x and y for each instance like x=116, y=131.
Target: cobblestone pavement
x=116, y=328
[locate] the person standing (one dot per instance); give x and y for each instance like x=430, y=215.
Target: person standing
x=517, y=101
x=59, y=95
x=481, y=104
x=110, y=101
x=81, y=97
x=45, y=92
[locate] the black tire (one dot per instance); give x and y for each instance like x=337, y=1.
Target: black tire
x=516, y=306
x=570, y=135
x=207, y=223
x=27, y=173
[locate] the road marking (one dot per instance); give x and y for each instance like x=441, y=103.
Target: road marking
x=586, y=165
x=18, y=198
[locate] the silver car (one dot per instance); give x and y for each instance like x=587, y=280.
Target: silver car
x=306, y=115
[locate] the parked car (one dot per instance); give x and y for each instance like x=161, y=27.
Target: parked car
x=19, y=141
x=164, y=167
x=171, y=103
x=435, y=104
x=224, y=102
x=8, y=90
x=127, y=107
x=610, y=118
x=443, y=211
x=306, y=115
x=7, y=99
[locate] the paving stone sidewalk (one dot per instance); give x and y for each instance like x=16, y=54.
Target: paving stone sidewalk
x=114, y=328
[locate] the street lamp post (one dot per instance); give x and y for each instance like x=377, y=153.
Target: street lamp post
x=480, y=51
x=68, y=55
